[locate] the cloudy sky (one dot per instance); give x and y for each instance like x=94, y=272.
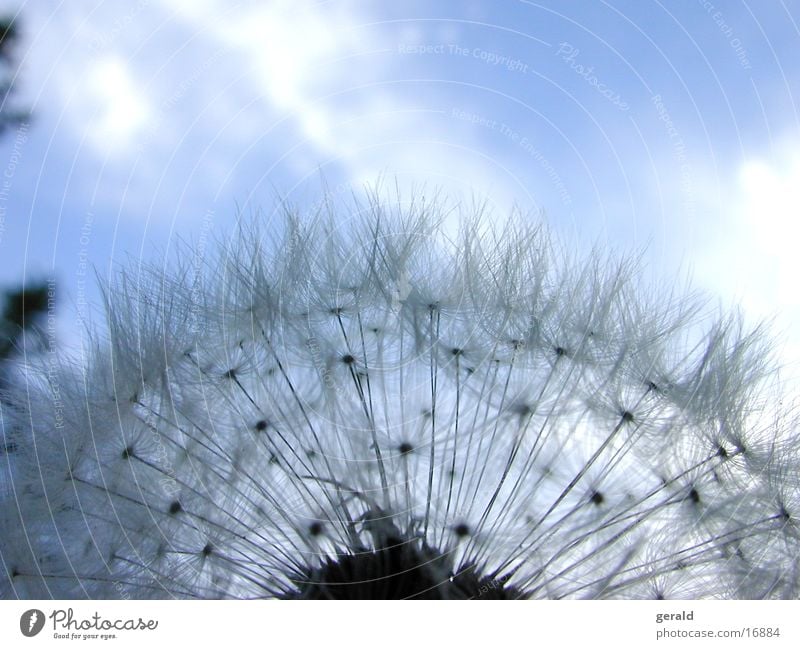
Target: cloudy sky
x=667, y=126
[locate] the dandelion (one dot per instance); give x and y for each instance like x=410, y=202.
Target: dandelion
x=370, y=407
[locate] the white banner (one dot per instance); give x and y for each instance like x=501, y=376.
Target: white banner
x=233, y=624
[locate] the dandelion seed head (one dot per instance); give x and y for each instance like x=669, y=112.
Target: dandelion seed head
x=376, y=408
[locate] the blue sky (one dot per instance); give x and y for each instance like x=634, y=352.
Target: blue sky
x=669, y=126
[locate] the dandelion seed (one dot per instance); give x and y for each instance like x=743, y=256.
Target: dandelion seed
x=377, y=410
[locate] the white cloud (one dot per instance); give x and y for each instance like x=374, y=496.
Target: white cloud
x=297, y=53
x=772, y=212
x=119, y=108
x=290, y=50
x=768, y=233
x=754, y=259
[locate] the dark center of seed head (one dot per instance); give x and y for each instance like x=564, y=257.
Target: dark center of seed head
x=401, y=568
